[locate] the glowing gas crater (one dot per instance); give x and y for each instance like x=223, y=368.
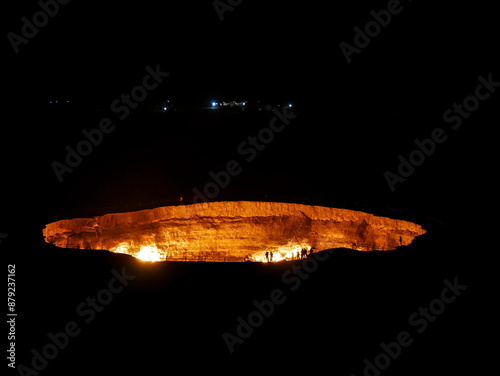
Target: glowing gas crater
x=232, y=231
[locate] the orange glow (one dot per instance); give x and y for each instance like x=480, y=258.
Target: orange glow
x=232, y=231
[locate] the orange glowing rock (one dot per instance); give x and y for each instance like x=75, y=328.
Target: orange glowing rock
x=231, y=231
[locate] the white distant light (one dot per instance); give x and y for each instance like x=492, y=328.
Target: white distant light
x=290, y=105
x=164, y=108
x=214, y=104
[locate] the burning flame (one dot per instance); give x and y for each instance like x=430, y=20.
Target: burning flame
x=146, y=253
x=149, y=253
x=121, y=248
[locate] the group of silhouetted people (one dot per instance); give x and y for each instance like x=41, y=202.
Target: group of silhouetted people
x=302, y=254
x=299, y=255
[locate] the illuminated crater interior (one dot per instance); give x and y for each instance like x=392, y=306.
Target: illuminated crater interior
x=231, y=231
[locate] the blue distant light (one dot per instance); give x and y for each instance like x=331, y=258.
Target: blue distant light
x=214, y=104
x=290, y=105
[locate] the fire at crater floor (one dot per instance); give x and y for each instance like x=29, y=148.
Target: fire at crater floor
x=231, y=231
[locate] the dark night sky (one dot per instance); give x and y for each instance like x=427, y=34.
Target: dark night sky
x=287, y=48
x=356, y=118
x=396, y=89
x=284, y=47
x=427, y=58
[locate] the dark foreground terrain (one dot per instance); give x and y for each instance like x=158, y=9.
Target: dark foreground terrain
x=328, y=315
